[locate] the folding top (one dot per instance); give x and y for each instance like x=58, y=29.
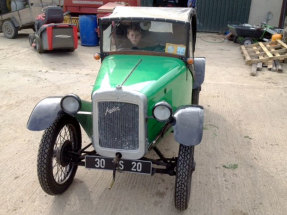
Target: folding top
x=154, y=13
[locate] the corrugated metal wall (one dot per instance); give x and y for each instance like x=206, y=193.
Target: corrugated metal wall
x=214, y=15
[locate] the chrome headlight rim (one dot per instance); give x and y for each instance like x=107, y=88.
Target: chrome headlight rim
x=162, y=104
x=76, y=98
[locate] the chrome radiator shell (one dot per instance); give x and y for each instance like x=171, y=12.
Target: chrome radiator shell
x=109, y=107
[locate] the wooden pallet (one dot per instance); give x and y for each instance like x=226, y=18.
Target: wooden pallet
x=264, y=52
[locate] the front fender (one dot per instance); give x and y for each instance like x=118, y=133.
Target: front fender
x=15, y=22
x=44, y=114
x=188, y=126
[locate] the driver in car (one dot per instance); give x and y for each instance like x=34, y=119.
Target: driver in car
x=139, y=39
x=134, y=35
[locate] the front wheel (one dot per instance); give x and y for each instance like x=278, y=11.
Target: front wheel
x=184, y=168
x=31, y=39
x=56, y=169
x=9, y=30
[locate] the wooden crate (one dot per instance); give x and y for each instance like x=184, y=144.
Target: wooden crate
x=264, y=52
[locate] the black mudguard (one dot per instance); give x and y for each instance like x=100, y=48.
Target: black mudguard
x=188, y=127
x=44, y=114
x=199, y=67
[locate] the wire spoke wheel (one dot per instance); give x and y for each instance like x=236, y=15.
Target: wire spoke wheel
x=184, y=168
x=56, y=169
x=61, y=173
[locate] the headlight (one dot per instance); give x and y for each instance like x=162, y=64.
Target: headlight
x=71, y=104
x=162, y=111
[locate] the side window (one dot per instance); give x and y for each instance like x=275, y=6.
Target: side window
x=107, y=45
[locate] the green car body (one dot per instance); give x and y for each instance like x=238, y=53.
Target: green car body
x=143, y=90
x=158, y=78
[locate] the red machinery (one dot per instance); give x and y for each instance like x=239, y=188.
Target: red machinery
x=99, y=7
x=91, y=6
x=51, y=34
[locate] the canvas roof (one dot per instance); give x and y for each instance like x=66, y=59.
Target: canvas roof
x=168, y=13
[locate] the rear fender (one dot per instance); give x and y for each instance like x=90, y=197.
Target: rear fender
x=188, y=126
x=44, y=113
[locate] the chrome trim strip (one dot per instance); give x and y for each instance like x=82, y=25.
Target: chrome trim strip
x=84, y=113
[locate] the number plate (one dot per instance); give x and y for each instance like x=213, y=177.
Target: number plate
x=135, y=166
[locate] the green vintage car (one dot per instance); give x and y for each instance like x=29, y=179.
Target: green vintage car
x=148, y=86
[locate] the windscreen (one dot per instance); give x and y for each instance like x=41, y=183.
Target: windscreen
x=152, y=36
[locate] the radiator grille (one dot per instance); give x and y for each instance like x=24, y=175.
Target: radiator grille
x=118, y=125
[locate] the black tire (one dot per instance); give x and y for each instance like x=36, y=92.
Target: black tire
x=62, y=136
x=184, y=168
x=31, y=39
x=9, y=30
x=195, y=96
x=39, y=47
